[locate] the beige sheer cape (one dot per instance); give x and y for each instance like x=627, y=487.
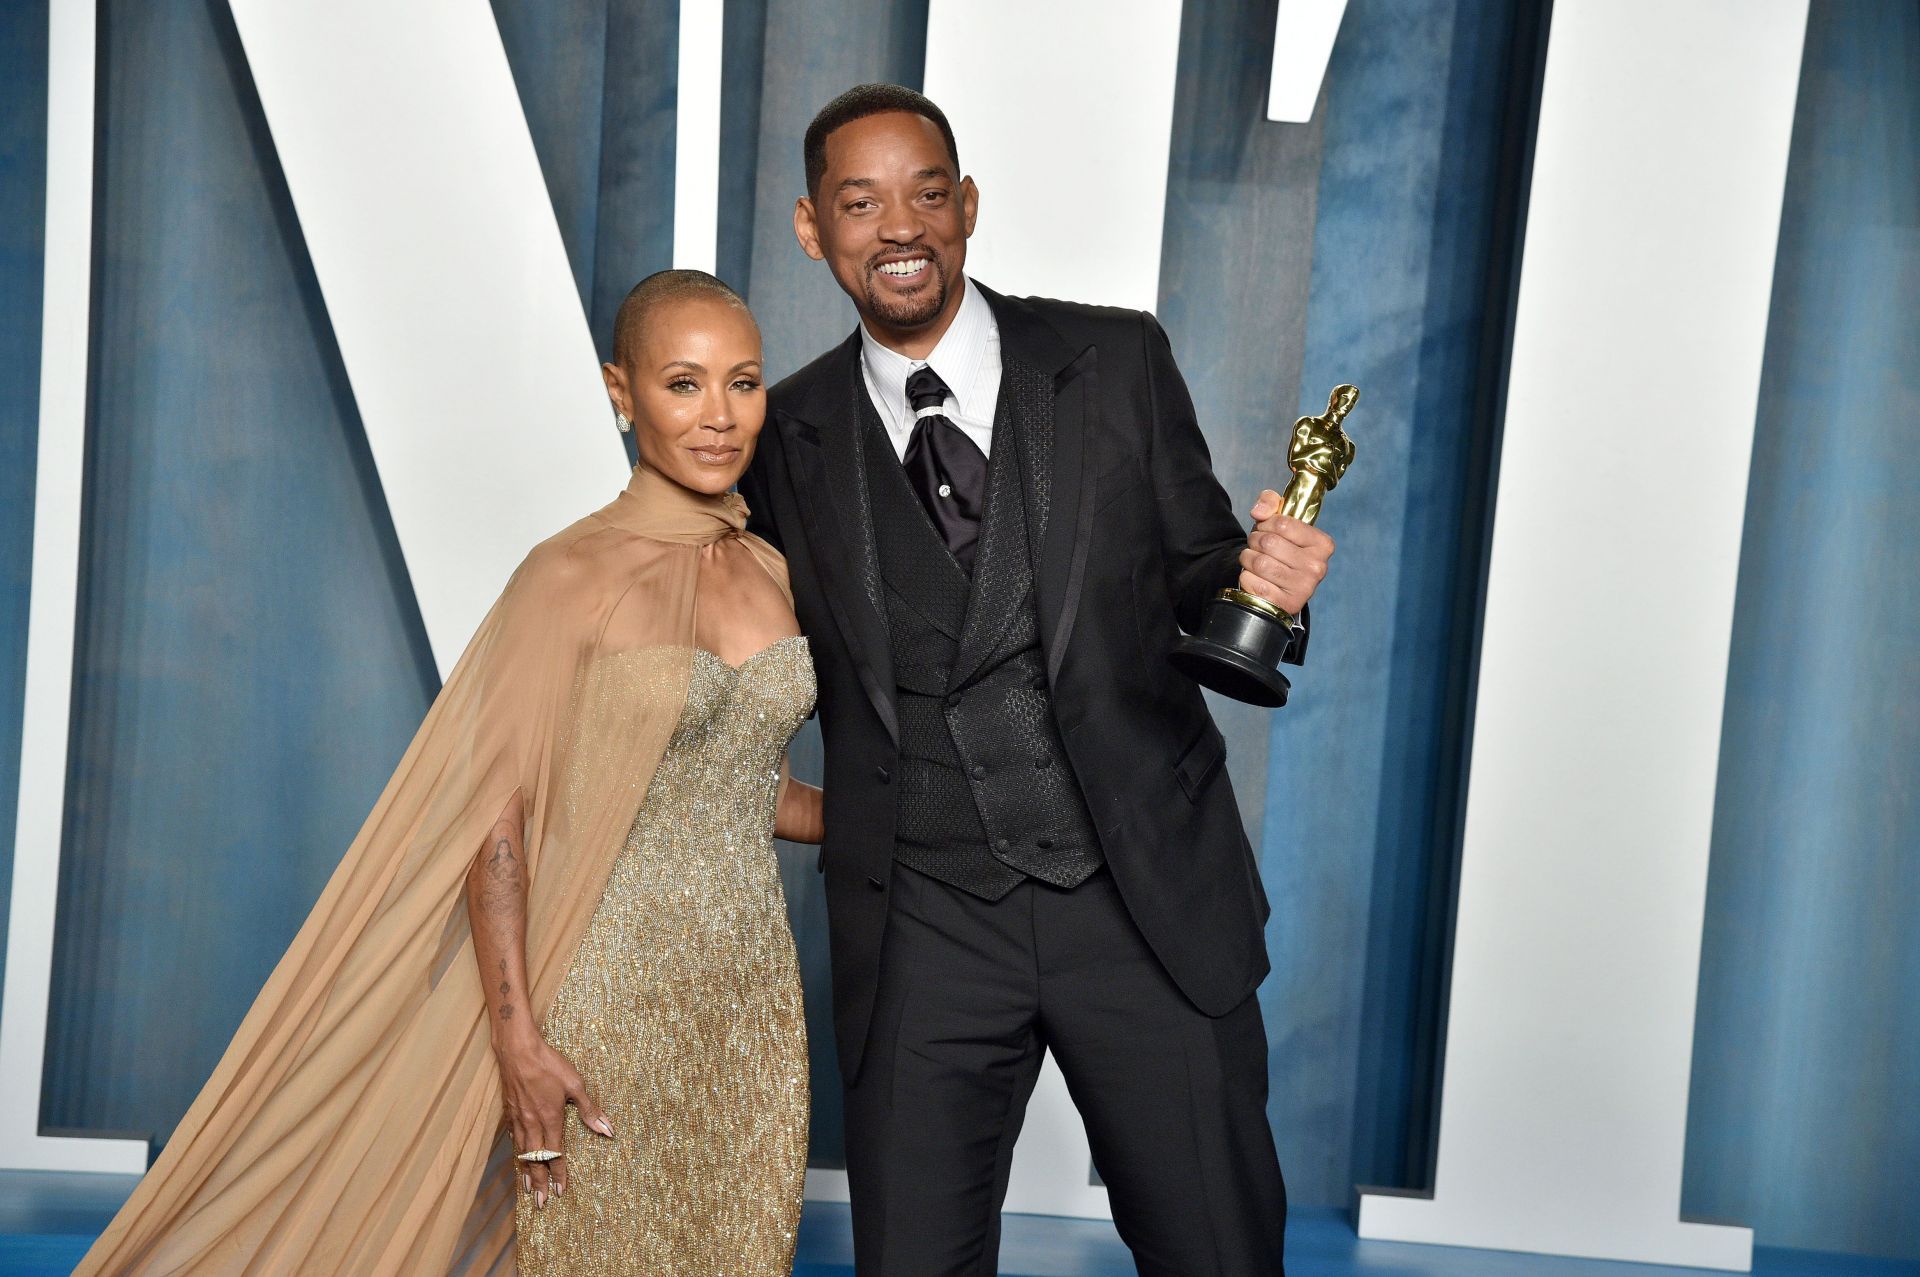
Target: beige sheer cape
x=354, y=1124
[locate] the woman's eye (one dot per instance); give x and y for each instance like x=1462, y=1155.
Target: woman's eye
x=746, y=385
x=682, y=385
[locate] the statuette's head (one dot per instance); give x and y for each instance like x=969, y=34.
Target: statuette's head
x=1319, y=446
x=686, y=372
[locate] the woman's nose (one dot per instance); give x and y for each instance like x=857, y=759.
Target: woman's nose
x=719, y=414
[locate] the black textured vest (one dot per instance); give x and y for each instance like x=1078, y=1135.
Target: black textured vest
x=986, y=796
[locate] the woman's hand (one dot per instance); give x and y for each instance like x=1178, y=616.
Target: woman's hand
x=539, y=1083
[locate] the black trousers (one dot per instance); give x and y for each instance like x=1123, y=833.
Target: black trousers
x=971, y=994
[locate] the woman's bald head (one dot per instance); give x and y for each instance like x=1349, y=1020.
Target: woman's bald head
x=653, y=295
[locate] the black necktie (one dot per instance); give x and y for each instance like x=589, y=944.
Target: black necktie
x=946, y=468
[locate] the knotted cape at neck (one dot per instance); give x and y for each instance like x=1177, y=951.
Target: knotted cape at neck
x=354, y=1124
x=655, y=507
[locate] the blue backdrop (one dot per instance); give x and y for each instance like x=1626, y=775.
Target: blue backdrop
x=23, y=178
x=250, y=661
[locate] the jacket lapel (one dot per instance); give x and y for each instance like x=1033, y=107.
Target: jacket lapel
x=823, y=444
x=1060, y=420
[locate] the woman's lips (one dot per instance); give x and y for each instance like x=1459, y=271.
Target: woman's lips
x=714, y=456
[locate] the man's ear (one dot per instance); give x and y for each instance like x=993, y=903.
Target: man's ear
x=806, y=229
x=969, y=203
x=617, y=389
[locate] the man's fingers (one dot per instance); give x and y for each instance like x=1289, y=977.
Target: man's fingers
x=1266, y=566
x=1265, y=504
x=1308, y=559
x=1287, y=599
x=1304, y=535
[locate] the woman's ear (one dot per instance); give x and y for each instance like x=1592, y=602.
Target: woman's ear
x=617, y=388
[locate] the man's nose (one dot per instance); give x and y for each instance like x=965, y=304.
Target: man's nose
x=901, y=225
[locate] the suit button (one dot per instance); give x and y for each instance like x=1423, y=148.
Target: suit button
x=876, y=884
x=1039, y=684
x=953, y=700
x=1001, y=844
x=1043, y=762
x=882, y=774
x=1044, y=844
x=979, y=773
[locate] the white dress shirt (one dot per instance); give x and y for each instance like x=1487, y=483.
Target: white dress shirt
x=967, y=359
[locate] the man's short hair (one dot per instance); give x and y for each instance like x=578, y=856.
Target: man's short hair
x=858, y=103
x=656, y=290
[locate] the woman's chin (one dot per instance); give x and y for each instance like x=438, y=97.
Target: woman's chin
x=706, y=477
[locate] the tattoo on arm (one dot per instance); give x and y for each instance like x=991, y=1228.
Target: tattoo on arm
x=503, y=894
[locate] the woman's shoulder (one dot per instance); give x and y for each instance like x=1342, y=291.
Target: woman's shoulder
x=581, y=559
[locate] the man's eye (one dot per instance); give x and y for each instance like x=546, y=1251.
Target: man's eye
x=859, y=206
x=934, y=197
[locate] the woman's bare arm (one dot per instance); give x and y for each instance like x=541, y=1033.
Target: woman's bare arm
x=497, y=910
x=537, y=1081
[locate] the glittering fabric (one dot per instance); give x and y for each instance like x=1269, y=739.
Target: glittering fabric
x=682, y=1010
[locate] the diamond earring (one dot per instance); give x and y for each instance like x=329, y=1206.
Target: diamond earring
x=620, y=420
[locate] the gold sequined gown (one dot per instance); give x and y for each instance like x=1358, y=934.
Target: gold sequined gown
x=682, y=1010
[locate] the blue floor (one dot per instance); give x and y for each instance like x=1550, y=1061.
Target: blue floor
x=47, y=1221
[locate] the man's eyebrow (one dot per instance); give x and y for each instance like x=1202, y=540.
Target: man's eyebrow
x=940, y=170
x=864, y=183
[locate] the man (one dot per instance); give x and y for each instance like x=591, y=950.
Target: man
x=997, y=514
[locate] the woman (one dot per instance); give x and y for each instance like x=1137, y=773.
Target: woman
x=587, y=808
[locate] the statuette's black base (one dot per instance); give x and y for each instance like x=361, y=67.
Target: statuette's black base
x=1236, y=653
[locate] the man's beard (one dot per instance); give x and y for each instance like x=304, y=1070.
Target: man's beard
x=910, y=312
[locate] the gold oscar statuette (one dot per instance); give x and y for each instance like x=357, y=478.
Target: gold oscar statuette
x=1242, y=637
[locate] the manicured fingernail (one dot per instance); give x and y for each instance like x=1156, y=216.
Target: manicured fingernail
x=558, y=1188
x=539, y=1200
x=601, y=1125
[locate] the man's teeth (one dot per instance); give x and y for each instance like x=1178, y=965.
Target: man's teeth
x=909, y=267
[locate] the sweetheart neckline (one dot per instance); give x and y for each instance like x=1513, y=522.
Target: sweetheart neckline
x=741, y=667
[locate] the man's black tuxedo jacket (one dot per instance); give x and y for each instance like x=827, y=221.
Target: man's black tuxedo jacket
x=1139, y=536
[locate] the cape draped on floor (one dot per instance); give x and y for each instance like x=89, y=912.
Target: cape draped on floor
x=354, y=1124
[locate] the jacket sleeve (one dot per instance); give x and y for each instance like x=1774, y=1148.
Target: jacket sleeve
x=1200, y=535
